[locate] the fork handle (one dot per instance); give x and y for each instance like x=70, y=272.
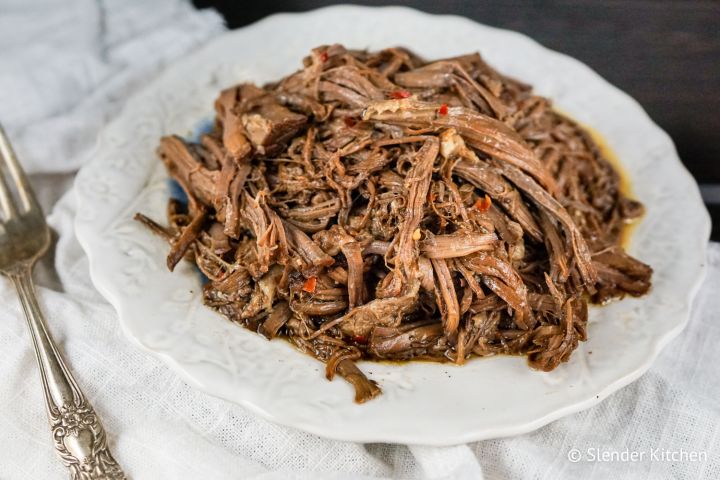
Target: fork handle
x=79, y=438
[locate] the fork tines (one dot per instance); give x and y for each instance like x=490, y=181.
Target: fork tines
x=13, y=183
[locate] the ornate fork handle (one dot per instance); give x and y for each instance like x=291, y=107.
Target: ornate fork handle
x=79, y=437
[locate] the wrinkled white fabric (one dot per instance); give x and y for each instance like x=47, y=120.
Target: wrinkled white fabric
x=66, y=67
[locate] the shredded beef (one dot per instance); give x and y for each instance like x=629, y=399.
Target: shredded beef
x=373, y=205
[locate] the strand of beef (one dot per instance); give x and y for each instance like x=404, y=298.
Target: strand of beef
x=373, y=205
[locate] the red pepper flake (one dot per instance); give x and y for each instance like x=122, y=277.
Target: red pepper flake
x=324, y=57
x=483, y=204
x=443, y=110
x=349, y=121
x=360, y=339
x=398, y=94
x=433, y=197
x=310, y=285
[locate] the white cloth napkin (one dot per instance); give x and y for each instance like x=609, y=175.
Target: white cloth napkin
x=66, y=67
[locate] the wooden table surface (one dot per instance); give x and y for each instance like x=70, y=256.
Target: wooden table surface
x=666, y=54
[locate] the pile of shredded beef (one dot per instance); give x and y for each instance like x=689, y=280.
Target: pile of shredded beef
x=373, y=205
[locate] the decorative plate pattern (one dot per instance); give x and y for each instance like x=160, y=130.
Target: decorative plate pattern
x=423, y=403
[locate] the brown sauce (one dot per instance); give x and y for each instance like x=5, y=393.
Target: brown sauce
x=625, y=183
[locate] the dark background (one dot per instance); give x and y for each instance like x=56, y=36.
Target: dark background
x=666, y=54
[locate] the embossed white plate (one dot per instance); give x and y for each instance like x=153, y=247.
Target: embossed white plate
x=422, y=403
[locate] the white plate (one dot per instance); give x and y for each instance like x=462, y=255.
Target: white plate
x=422, y=403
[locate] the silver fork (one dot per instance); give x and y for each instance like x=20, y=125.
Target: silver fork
x=79, y=438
